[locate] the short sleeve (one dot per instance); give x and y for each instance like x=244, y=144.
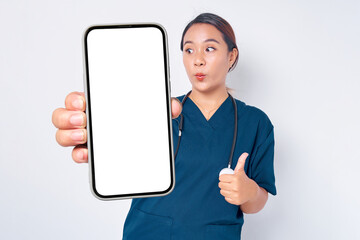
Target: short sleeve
x=262, y=165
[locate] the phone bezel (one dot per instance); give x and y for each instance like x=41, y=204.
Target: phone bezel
x=88, y=112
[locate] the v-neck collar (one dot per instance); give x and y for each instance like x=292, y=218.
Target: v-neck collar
x=216, y=119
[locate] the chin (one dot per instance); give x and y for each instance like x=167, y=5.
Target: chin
x=202, y=89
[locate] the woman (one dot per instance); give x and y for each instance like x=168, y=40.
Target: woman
x=202, y=204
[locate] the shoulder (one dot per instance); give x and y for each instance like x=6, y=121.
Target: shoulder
x=254, y=116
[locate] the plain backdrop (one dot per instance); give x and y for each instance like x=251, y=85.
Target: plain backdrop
x=299, y=63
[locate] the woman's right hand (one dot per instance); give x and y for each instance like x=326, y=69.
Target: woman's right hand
x=71, y=124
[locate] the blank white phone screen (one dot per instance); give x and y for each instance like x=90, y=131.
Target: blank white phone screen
x=130, y=125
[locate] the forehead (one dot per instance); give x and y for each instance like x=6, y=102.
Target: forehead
x=199, y=32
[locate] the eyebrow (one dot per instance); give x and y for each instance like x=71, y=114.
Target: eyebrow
x=207, y=40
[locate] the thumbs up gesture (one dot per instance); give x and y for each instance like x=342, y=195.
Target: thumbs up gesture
x=238, y=188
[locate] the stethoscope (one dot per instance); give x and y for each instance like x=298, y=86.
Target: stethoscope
x=227, y=170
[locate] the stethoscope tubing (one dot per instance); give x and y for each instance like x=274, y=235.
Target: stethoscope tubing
x=235, y=127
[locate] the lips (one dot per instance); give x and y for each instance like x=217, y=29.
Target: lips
x=200, y=76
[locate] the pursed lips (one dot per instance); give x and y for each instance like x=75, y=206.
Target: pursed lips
x=200, y=76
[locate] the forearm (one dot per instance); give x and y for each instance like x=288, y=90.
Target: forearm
x=258, y=202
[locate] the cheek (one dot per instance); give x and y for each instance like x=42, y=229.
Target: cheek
x=221, y=65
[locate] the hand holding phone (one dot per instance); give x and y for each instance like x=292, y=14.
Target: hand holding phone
x=129, y=145
x=69, y=129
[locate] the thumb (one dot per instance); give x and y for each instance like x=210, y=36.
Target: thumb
x=176, y=107
x=241, y=162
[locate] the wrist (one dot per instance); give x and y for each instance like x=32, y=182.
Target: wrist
x=257, y=199
x=254, y=192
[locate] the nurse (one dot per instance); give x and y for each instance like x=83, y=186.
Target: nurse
x=202, y=204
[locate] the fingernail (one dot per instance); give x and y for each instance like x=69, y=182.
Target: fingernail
x=78, y=103
x=80, y=155
x=77, y=136
x=77, y=119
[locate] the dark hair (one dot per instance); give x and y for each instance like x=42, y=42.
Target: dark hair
x=222, y=25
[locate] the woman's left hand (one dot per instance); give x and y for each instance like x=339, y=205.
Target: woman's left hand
x=238, y=188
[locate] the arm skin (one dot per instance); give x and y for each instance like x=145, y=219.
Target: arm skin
x=258, y=202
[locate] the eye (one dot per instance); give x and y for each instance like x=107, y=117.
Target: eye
x=210, y=49
x=189, y=50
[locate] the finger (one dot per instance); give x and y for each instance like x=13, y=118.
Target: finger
x=80, y=153
x=225, y=193
x=75, y=101
x=241, y=162
x=65, y=119
x=71, y=137
x=230, y=200
x=227, y=186
x=176, y=107
x=227, y=178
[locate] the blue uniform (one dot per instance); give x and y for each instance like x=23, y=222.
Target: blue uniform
x=195, y=209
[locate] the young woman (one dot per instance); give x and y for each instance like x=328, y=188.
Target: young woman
x=202, y=204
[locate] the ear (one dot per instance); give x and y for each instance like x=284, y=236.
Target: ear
x=232, y=57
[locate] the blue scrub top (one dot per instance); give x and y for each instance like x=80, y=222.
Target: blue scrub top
x=195, y=209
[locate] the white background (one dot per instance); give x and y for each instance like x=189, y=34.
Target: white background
x=299, y=62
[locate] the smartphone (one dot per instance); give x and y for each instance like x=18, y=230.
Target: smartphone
x=128, y=109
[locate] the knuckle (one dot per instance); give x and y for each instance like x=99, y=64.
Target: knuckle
x=55, y=115
x=60, y=118
x=63, y=119
x=60, y=138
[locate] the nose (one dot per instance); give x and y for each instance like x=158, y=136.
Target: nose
x=199, y=59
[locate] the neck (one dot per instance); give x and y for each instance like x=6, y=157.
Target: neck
x=208, y=100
